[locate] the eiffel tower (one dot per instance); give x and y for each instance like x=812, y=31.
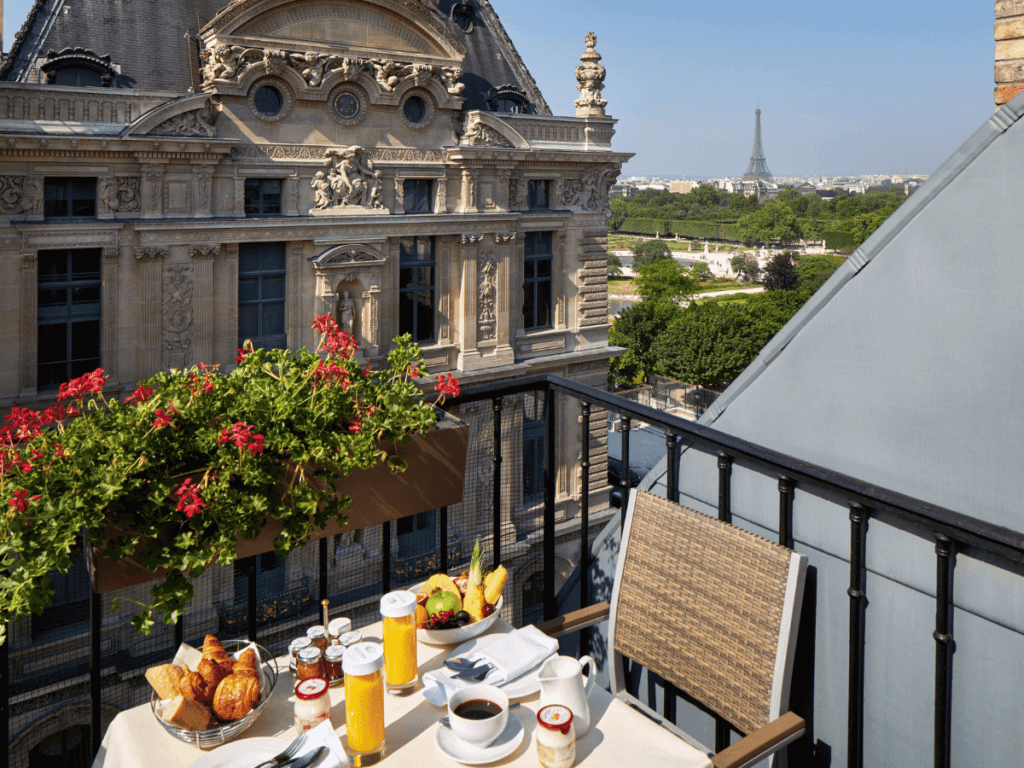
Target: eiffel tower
x=758, y=168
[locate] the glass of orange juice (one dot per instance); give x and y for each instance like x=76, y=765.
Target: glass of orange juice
x=363, y=665
x=398, y=610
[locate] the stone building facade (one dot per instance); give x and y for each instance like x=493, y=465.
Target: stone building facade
x=1009, y=38
x=392, y=161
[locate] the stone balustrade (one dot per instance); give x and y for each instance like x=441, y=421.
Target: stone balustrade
x=27, y=102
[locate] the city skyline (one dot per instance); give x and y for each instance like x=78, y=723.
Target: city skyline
x=839, y=94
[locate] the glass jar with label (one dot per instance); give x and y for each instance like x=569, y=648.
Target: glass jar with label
x=363, y=665
x=312, y=703
x=399, y=633
x=556, y=738
x=319, y=637
x=332, y=664
x=338, y=627
x=294, y=647
x=310, y=663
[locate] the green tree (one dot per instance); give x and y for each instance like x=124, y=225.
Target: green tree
x=865, y=224
x=701, y=272
x=813, y=271
x=773, y=222
x=647, y=251
x=779, y=274
x=620, y=212
x=665, y=280
x=614, y=264
x=636, y=328
x=746, y=267
x=707, y=344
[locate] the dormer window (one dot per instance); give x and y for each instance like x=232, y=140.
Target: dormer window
x=78, y=67
x=510, y=99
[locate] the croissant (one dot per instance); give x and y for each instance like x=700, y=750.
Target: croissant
x=196, y=687
x=236, y=696
x=246, y=665
x=213, y=650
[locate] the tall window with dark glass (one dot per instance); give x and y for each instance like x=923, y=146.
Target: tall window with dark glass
x=417, y=288
x=538, y=192
x=64, y=197
x=417, y=196
x=263, y=197
x=537, y=280
x=68, y=343
x=261, y=295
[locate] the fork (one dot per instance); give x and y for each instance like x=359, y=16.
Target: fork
x=475, y=674
x=288, y=754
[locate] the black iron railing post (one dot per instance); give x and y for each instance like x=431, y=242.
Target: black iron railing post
x=96, y=670
x=322, y=561
x=442, y=535
x=496, y=490
x=786, y=486
x=944, y=647
x=179, y=633
x=550, y=475
x=858, y=608
x=385, y=556
x=625, y=479
x=252, y=566
x=725, y=488
x=5, y=699
x=672, y=457
x=585, y=524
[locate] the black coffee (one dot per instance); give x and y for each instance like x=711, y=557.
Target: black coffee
x=477, y=709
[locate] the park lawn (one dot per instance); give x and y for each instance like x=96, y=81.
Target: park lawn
x=722, y=285
x=621, y=286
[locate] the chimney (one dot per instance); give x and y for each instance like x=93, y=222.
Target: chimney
x=1009, y=35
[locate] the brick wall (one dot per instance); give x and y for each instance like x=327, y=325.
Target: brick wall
x=1009, y=36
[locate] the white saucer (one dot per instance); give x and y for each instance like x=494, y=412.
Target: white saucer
x=450, y=745
x=524, y=685
x=243, y=752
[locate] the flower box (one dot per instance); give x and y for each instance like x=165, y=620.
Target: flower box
x=435, y=476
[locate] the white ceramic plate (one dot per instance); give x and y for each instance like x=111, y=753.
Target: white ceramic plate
x=524, y=685
x=450, y=745
x=242, y=752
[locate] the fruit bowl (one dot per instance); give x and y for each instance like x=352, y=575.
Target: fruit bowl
x=458, y=634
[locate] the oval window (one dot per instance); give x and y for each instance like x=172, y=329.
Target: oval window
x=268, y=100
x=415, y=109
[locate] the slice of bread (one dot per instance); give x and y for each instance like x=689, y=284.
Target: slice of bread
x=187, y=714
x=165, y=680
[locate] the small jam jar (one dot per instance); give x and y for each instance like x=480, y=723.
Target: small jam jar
x=312, y=703
x=338, y=627
x=310, y=663
x=332, y=663
x=297, y=645
x=350, y=638
x=318, y=635
x=556, y=737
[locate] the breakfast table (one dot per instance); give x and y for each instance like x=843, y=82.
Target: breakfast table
x=618, y=735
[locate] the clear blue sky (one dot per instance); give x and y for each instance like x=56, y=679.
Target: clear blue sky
x=880, y=86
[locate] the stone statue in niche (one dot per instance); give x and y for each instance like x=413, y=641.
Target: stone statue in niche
x=590, y=81
x=353, y=179
x=346, y=313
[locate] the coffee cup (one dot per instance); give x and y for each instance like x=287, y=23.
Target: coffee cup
x=478, y=714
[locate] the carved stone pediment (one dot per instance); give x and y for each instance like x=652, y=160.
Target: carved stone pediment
x=349, y=256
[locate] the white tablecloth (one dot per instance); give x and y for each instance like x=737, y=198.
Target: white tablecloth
x=619, y=735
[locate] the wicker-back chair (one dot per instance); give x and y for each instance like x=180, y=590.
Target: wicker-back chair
x=712, y=609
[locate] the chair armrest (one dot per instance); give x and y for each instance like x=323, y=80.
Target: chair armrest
x=575, y=621
x=762, y=742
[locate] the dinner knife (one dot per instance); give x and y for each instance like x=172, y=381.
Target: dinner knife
x=308, y=759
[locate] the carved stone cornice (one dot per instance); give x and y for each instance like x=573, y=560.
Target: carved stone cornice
x=469, y=239
x=150, y=254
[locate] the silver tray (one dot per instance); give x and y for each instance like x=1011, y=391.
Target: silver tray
x=214, y=737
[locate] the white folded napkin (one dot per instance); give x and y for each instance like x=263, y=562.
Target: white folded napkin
x=511, y=656
x=324, y=735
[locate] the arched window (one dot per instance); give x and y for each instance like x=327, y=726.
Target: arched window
x=510, y=99
x=78, y=67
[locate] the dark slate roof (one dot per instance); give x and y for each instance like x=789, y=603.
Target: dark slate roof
x=147, y=39
x=904, y=369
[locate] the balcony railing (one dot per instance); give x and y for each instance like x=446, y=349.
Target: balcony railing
x=105, y=658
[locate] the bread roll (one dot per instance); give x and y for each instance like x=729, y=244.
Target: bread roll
x=196, y=687
x=187, y=714
x=165, y=680
x=236, y=696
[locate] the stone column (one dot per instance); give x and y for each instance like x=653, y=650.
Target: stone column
x=203, y=257
x=109, y=320
x=558, y=286
x=469, y=355
x=293, y=296
x=399, y=195
x=291, y=195
x=152, y=191
x=149, y=288
x=1009, y=61
x=504, y=353
x=441, y=195
x=468, y=204
x=444, y=289
x=202, y=191
x=29, y=323
x=239, y=196
x=230, y=332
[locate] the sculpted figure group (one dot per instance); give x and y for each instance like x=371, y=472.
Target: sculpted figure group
x=351, y=180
